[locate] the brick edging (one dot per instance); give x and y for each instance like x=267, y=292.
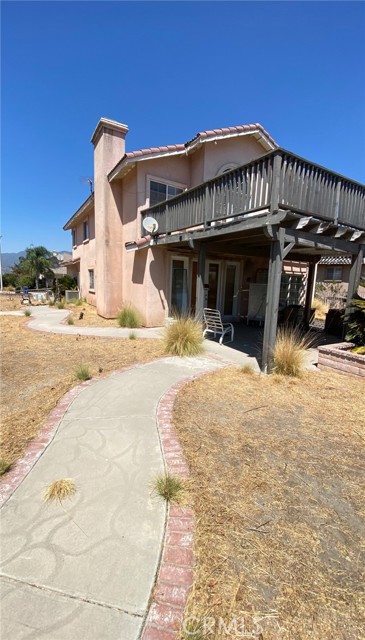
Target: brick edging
x=176, y=570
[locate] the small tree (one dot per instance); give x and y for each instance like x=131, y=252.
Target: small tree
x=355, y=320
x=39, y=261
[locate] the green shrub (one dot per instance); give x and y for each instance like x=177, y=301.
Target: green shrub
x=51, y=303
x=132, y=336
x=184, y=337
x=290, y=351
x=70, y=321
x=83, y=373
x=61, y=304
x=355, y=320
x=27, y=313
x=129, y=317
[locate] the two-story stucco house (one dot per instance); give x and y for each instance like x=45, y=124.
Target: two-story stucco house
x=227, y=220
x=106, y=229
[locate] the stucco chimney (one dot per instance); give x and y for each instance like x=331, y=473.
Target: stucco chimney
x=111, y=135
x=109, y=147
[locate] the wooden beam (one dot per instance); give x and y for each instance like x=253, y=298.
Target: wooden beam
x=355, y=271
x=199, y=303
x=311, y=283
x=288, y=248
x=311, y=240
x=243, y=224
x=272, y=299
x=303, y=222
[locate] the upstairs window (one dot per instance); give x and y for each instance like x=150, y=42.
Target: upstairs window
x=74, y=237
x=334, y=273
x=86, y=230
x=160, y=191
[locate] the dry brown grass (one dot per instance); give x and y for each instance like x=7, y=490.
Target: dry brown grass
x=58, y=490
x=277, y=485
x=37, y=369
x=320, y=309
x=90, y=317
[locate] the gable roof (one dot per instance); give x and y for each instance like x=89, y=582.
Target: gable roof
x=211, y=135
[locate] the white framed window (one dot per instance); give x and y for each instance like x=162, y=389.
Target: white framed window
x=334, y=273
x=159, y=190
x=86, y=230
x=91, y=279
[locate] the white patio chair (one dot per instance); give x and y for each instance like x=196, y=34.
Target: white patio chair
x=214, y=324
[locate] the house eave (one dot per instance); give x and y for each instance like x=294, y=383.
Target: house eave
x=81, y=212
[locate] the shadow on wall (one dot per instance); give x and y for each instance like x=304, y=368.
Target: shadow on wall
x=139, y=266
x=158, y=275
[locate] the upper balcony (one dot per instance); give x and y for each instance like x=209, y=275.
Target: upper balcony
x=276, y=181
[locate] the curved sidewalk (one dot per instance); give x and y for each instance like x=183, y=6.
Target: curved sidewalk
x=51, y=320
x=86, y=568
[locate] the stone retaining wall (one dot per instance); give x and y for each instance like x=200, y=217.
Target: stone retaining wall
x=338, y=357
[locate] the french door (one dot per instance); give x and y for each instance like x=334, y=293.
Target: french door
x=222, y=278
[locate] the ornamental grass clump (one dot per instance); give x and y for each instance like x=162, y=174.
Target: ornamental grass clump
x=5, y=465
x=290, y=351
x=184, y=337
x=170, y=488
x=83, y=373
x=129, y=317
x=59, y=490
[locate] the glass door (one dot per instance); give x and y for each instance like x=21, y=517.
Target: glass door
x=179, y=286
x=213, y=283
x=230, y=297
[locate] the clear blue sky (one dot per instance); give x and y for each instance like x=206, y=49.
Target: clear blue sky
x=168, y=70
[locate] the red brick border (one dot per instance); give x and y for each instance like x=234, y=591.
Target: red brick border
x=176, y=570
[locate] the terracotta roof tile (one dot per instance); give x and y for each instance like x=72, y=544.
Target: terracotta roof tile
x=151, y=150
x=202, y=135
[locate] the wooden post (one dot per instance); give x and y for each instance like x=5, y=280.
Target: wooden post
x=199, y=306
x=272, y=299
x=275, y=185
x=355, y=271
x=311, y=281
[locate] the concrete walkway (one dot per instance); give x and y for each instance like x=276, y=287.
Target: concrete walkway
x=84, y=569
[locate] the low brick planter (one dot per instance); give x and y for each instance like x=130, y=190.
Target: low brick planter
x=338, y=357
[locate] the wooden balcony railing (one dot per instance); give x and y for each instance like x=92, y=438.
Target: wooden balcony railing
x=278, y=180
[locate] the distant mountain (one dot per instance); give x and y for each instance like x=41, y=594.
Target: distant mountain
x=8, y=260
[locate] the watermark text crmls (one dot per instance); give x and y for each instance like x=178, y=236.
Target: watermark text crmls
x=234, y=627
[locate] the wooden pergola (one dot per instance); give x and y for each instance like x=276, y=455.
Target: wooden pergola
x=279, y=206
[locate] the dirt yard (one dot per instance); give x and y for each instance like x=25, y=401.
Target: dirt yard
x=37, y=369
x=277, y=485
